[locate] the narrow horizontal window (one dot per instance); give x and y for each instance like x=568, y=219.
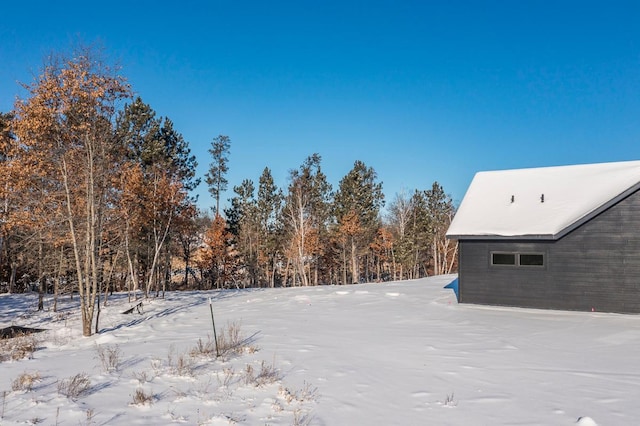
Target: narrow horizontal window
x=531, y=259
x=503, y=259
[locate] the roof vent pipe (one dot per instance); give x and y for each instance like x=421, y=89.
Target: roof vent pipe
x=513, y=198
x=542, y=198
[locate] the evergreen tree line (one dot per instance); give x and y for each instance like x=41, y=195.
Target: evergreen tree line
x=95, y=197
x=310, y=234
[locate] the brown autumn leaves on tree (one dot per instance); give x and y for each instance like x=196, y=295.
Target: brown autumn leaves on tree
x=95, y=196
x=68, y=149
x=217, y=257
x=79, y=183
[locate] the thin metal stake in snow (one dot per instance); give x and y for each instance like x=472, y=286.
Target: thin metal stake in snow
x=215, y=338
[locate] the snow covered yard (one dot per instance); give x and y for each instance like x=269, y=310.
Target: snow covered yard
x=402, y=353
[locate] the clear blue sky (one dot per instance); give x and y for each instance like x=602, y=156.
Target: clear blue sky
x=421, y=91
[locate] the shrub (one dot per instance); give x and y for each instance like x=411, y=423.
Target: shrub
x=181, y=364
x=140, y=397
x=228, y=375
x=230, y=339
x=142, y=377
x=308, y=393
x=19, y=347
x=268, y=374
x=232, y=342
x=74, y=387
x=204, y=348
x=109, y=357
x=449, y=401
x=301, y=418
x=25, y=382
x=90, y=413
x=156, y=366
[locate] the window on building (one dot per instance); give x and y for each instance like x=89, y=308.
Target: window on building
x=531, y=259
x=503, y=259
x=517, y=259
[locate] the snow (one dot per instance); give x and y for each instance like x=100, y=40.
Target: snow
x=570, y=194
x=401, y=353
x=586, y=421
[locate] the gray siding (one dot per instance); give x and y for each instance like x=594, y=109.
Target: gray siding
x=594, y=267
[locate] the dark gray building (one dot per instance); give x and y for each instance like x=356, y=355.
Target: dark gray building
x=553, y=238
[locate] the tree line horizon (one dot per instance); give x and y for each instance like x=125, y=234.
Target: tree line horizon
x=96, y=197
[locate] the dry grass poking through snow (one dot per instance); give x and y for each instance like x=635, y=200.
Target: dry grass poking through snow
x=74, y=387
x=19, y=347
x=25, y=382
x=218, y=373
x=267, y=375
x=109, y=357
x=142, y=397
x=230, y=343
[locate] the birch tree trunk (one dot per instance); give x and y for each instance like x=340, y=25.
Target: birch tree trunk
x=354, y=262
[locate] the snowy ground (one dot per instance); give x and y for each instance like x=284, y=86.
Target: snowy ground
x=401, y=353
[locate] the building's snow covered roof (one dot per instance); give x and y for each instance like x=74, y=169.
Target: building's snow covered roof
x=509, y=203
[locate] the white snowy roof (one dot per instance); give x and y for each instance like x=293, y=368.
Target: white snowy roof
x=509, y=203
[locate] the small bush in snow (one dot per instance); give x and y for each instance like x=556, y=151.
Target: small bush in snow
x=180, y=364
x=449, y=401
x=228, y=375
x=74, y=387
x=301, y=418
x=90, y=413
x=109, y=357
x=142, y=377
x=268, y=374
x=18, y=348
x=156, y=366
x=308, y=393
x=231, y=342
x=25, y=382
x=140, y=397
x=202, y=348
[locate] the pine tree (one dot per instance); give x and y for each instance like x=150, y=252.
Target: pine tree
x=357, y=207
x=217, y=258
x=216, y=176
x=269, y=212
x=307, y=211
x=419, y=232
x=441, y=212
x=163, y=171
x=242, y=223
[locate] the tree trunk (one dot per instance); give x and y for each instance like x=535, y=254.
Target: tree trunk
x=454, y=255
x=286, y=272
x=41, y=278
x=158, y=244
x=344, y=265
x=272, y=277
x=355, y=275
x=436, y=257
x=12, y=277
x=56, y=289
x=84, y=287
x=185, y=282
